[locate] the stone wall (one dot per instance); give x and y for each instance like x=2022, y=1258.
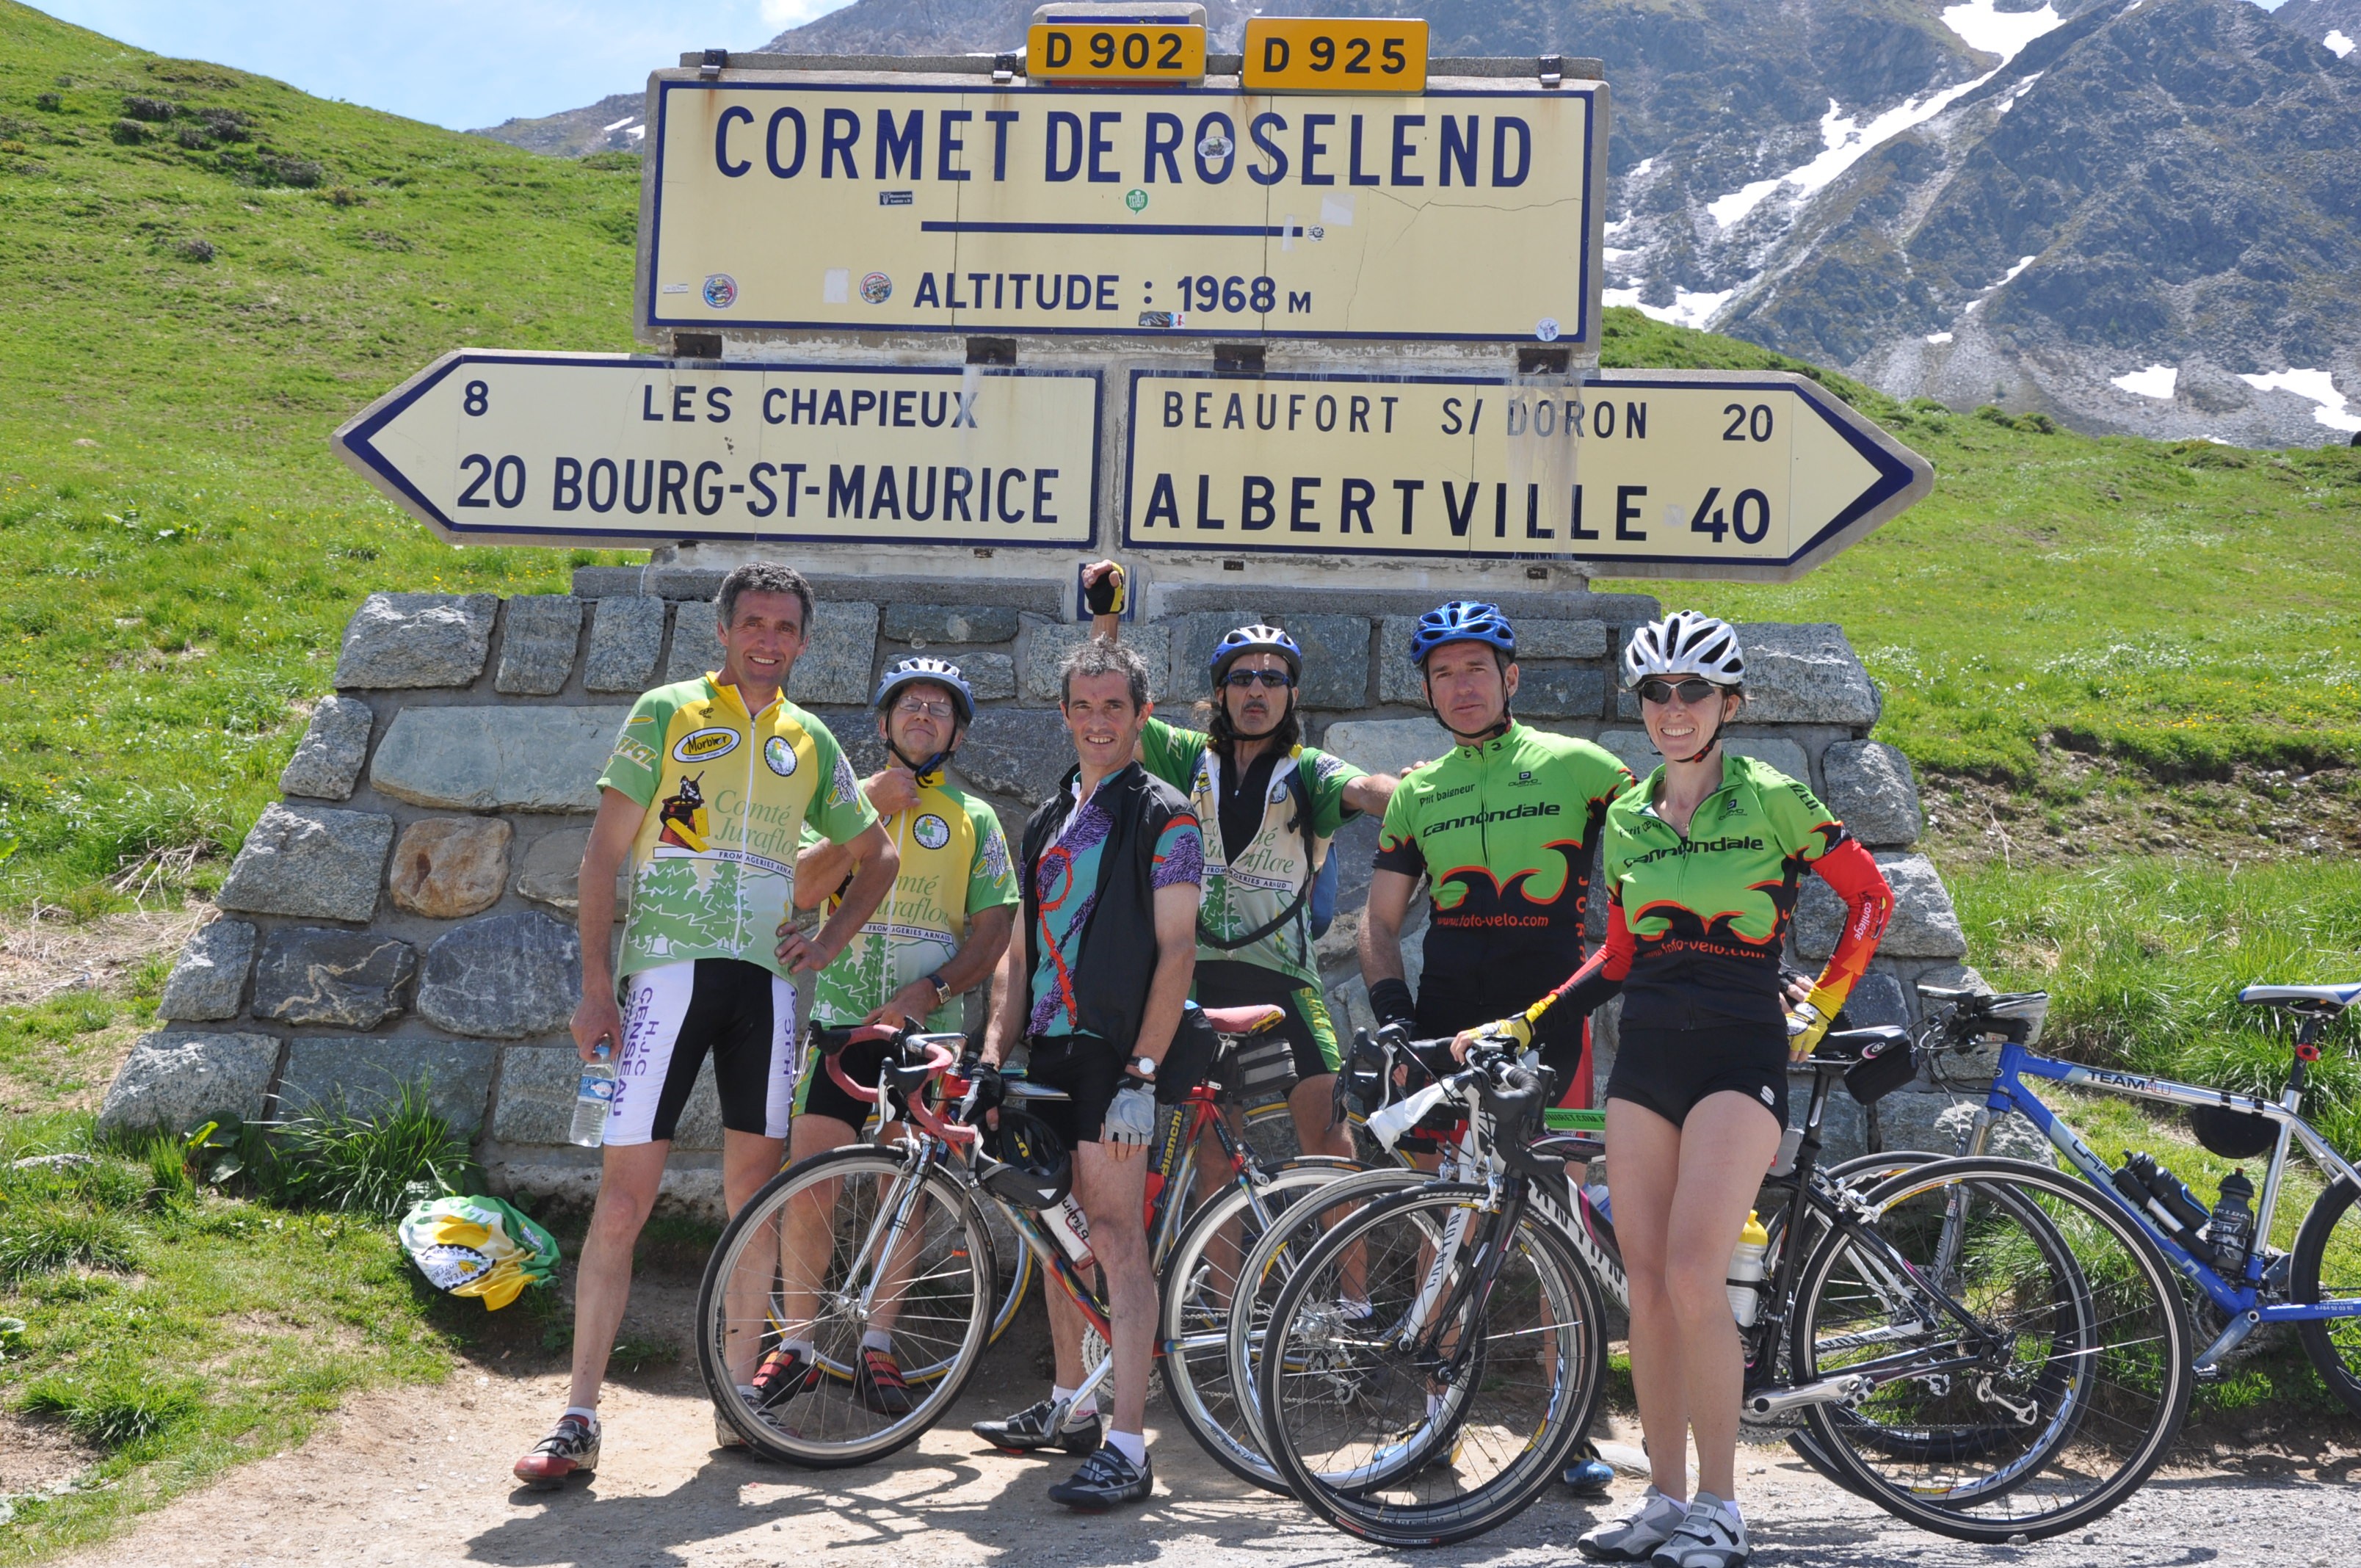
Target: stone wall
x=407, y=910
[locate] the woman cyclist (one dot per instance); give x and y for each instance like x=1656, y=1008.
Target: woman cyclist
x=1701, y=862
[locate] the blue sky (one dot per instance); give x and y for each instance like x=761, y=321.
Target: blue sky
x=462, y=63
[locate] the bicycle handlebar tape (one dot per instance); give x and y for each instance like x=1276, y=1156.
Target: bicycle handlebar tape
x=1391, y=1001
x=1110, y=593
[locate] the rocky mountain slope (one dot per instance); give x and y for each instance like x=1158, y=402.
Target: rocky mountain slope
x=2135, y=216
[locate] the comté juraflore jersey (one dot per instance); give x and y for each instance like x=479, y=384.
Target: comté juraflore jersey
x=713, y=869
x=954, y=867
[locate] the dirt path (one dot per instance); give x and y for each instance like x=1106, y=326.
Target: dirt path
x=420, y=1476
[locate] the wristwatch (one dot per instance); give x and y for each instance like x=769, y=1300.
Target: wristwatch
x=1142, y=1067
x=942, y=991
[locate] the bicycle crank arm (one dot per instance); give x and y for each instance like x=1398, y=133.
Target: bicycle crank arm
x=2208, y=1365
x=1765, y=1403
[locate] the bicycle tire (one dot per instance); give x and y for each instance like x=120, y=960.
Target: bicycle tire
x=1521, y=1422
x=1193, y=1306
x=827, y=1427
x=1265, y=1270
x=2340, y=1368
x=2130, y=1390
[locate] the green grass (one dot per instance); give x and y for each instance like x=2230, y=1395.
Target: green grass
x=2183, y=605
x=175, y=1332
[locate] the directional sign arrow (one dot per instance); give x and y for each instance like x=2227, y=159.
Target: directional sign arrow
x=595, y=448
x=1753, y=476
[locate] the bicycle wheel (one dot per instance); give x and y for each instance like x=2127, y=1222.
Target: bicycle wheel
x=1199, y=1285
x=2025, y=1346
x=1013, y=1266
x=1449, y=1404
x=814, y=1257
x=1264, y=1271
x=2326, y=1267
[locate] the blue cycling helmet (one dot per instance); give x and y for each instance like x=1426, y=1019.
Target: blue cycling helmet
x=1255, y=639
x=1461, y=620
x=936, y=672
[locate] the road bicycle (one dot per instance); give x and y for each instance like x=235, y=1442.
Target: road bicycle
x=907, y=1228
x=2241, y=1281
x=1946, y=1314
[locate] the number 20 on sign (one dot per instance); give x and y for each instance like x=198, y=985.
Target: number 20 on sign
x=1114, y=53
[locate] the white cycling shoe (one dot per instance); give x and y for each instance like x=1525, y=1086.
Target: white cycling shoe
x=1711, y=1535
x=1633, y=1535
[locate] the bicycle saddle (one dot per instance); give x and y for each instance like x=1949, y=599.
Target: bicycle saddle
x=1245, y=1020
x=2328, y=999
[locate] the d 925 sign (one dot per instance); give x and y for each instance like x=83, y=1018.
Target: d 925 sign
x=588, y=447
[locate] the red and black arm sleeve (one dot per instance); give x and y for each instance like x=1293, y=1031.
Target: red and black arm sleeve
x=1853, y=873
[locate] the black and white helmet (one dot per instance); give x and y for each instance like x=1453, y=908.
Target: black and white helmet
x=1686, y=643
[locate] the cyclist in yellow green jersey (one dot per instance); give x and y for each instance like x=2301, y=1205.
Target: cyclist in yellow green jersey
x=935, y=937
x=1269, y=805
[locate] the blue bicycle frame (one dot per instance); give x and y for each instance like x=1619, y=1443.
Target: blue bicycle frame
x=2242, y=1301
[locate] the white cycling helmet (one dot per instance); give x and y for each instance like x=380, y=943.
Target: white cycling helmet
x=1686, y=643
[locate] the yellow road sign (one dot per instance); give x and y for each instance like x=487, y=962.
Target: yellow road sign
x=555, y=448
x=1756, y=476
x=878, y=204
x=1334, y=54
x=1114, y=52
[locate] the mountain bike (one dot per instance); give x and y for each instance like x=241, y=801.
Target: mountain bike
x=909, y=1224
x=1443, y=1407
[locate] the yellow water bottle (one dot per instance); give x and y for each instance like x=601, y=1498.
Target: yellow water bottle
x=1745, y=1281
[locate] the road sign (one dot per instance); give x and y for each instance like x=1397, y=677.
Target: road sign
x=602, y=448
x=1114, y=52
x=877, y=203
x=1758, y=476
x=1334, y=54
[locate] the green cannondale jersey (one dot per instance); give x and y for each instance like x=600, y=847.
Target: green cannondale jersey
x=954, y=866
x=1503, y=831
x=1244, y=895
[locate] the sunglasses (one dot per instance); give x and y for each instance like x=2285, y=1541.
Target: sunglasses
x=1277, y=680
x=1691, y=692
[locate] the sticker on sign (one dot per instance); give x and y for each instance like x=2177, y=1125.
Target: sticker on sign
x=1683, y=473
x=556, y=448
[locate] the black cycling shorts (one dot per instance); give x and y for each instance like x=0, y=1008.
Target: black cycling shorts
x=1669, y=1070
x=818, y=1094
x=673, y=1015
x=1090, y=1070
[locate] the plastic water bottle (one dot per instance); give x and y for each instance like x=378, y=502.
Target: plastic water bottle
x=2233, y=1220
x=1064, y=1221
x=592, y=1099
x=1745, y=1281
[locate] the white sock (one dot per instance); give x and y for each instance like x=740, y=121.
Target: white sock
x=1728, y=1507
x=877, y=1338
x=802, y=1348
x=1076, y=1414
x=1131, y=1445
x=586, y=1413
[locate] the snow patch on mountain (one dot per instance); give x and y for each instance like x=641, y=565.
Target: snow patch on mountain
x=1688, y=308
x=2320, y=387
x=2003, y=33
x=2337, y=43
x=2156, y=381
x=1845, y=142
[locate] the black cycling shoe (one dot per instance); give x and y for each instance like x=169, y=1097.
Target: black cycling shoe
x=877, y=1376
x=1105, y=1479
x=1032, y=1428
x=784, y=1374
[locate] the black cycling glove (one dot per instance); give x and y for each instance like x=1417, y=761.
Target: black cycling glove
x=1106, y=595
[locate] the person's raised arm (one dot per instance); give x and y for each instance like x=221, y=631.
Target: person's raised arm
x=880, y=862
x=1107, y=622
x=596, y=1017
x=1369, y=793
x=1381, y=960
x=822, y=867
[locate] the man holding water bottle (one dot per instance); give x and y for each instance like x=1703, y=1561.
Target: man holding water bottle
x=708, y=793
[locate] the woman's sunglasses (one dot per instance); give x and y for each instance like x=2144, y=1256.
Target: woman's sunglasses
x=1691, y=692
x=1276, y=680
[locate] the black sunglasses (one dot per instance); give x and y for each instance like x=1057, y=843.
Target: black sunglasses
x=1691, y=692
x=1275, y=679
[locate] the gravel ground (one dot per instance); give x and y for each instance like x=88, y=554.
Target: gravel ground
x=421, y=1476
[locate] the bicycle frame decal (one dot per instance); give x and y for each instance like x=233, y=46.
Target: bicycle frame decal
x=2010, y=1093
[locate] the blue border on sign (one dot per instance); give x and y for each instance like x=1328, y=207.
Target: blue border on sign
x=1894, y=475
x=361, y=444
x=656, y=153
